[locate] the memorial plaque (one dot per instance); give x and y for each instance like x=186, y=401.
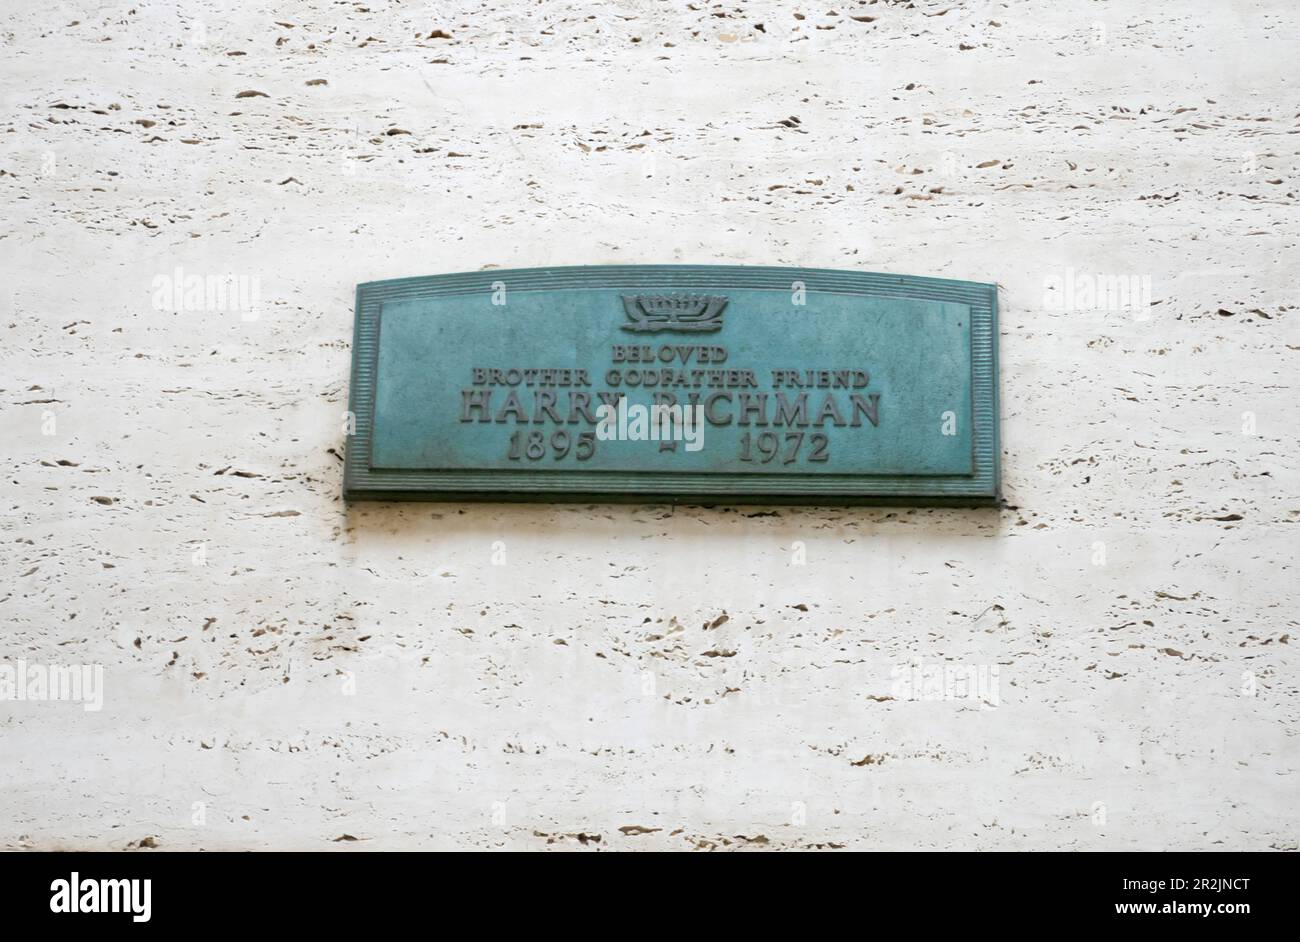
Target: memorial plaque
x=697, y=384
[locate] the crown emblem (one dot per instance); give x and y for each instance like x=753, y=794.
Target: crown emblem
x=681, y=312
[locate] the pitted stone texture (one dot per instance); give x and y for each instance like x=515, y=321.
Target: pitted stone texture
x=285, y=672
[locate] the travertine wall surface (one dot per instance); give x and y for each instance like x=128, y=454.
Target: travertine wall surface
x=284, y=671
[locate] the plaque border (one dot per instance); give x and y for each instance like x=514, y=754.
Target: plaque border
x=982, y=488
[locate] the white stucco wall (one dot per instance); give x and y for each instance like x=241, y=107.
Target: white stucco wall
x=283, y=671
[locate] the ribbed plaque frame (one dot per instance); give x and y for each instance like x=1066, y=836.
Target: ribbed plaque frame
x=821, y=487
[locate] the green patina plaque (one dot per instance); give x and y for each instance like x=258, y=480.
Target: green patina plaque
x=699, y=384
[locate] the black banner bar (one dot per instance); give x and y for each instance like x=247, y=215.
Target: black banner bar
x=298, y=891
